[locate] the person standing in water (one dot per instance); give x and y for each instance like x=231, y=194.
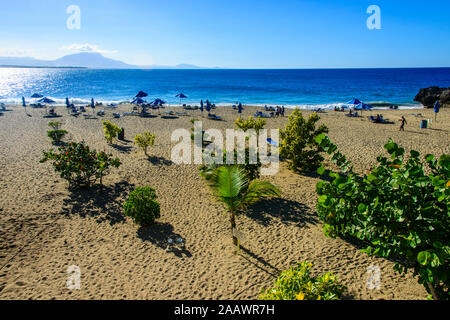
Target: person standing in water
x=402, y=126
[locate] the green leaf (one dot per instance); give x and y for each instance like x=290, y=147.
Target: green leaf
x=362, y=208
x=323, y=198
x=321, y=170
x=320, y=138
x=424, y=257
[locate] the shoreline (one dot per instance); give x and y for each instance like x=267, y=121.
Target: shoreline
x=327, y=106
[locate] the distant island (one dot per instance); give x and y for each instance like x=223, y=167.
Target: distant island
x=40, y=67
x=84, y=60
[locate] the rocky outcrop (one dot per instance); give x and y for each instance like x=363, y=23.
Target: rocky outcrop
x=429, y=96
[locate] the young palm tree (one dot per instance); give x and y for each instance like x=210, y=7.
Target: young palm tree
x=233, y=188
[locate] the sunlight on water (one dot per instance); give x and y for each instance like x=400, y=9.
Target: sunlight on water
x=303, y=88
x=17, y=82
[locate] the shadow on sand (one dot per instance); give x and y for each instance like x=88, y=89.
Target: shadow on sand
x=159, y=160
x=104, y=204
x=159, y=234
x=287, y=211
x=122, y=148
x=258, y=262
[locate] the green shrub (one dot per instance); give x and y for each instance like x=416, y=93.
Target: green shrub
x=296, y=283
x=250, y=123
x=55, y=125
x=400, y=210
x=144, y=140
x=142, y=206
x=80, y=166
x=251, y=171
x=56, y=134
x=298, y=145
x=111, y=131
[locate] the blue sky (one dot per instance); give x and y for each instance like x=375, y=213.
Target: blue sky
x=234, y=33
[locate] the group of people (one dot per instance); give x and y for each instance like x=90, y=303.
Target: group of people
x=279, y=111
x=339, y=109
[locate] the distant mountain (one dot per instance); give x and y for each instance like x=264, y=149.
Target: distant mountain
x=92, y=60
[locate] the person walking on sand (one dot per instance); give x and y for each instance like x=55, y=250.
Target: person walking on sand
x=402, y=126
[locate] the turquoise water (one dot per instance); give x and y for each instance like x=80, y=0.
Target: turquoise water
x=318, y=87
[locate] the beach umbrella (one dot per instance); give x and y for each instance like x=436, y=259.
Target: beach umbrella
x=201, y=105
x=37, y=96
x=362, y=106
x=240, y=107
x=46, y=100
x=181, y=96
x=157, y=102
x=436, y=109
x=141, y=94
x=354, y=102
x=138, y=101
x=92, y=103
x=67, y=103
x=208, y=106
x=24, y=104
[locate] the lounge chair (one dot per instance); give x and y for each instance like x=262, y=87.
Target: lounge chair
x=214, y=117
x=116, y=115
x=259, y=114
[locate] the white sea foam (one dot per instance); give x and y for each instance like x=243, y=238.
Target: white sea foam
x=328, y=106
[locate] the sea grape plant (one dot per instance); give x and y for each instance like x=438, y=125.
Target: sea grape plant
x=296, y=283
x=298, y=146
x=400, y=210
x=80, y=165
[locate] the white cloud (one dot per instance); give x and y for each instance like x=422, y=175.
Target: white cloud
x=86, y=47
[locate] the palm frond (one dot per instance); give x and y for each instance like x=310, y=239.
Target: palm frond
x=258, y=190
x=228, y=182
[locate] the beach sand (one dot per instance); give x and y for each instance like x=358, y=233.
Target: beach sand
x=45, y=228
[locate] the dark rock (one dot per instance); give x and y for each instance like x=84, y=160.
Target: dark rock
x=429, y=96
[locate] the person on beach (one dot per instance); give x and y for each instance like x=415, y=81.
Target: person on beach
x=402, y=126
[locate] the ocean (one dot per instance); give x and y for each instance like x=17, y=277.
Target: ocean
x=306, y=88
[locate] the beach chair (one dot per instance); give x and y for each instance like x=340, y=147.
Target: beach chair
x=214, y=117
x=116, y=115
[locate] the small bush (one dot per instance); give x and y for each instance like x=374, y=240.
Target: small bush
x=111, y=131
x=145, y=140
x=296, y=283
x=142, y=206
x=250, y=123
x=298, y=145
x=56, y=134
x=80, y=166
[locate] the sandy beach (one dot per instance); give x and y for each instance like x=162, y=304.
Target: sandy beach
x=45, y=228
